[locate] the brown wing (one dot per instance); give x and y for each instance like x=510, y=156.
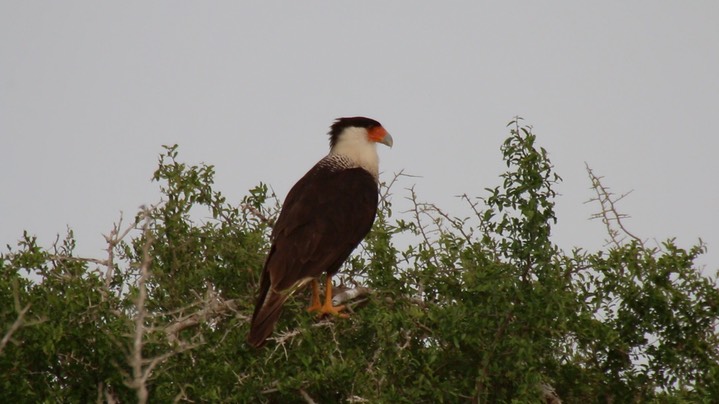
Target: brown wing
x=325, y=215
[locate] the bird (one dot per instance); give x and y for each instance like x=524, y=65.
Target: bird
x=325, y=215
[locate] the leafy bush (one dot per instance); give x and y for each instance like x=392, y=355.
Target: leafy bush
x=483, y=308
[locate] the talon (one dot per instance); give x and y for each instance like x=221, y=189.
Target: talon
x=327, y=307
x=332, y=310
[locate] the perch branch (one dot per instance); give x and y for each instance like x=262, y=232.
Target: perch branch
x=350, y=294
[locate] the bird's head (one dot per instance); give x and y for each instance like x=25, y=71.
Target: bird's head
x=358, y=130
x=355, y=140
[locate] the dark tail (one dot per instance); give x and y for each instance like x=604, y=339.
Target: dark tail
x=267, y=312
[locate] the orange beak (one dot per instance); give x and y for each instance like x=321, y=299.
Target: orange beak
x=379, y=134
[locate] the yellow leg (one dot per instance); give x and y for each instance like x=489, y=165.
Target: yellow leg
x=315, y=304
x=328, y=308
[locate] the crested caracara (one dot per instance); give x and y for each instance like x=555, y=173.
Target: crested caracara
x=324, y=217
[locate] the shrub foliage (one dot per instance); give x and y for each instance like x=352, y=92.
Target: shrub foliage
x=482, y=308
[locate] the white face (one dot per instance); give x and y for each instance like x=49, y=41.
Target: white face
x=354, y=143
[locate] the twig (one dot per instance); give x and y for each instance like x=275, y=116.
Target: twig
x=417, y=212
x=273, y=388
x=457, y=223
x=266, y=220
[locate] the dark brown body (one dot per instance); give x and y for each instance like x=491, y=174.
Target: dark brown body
x=323, y=219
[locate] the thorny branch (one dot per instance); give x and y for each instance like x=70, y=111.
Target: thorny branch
x=284, y=337
x=212, y=307
x=113, y=239
x=418, y=210
x=457, y=223
x=263, y=218
x=609, y=214
x=385, y=188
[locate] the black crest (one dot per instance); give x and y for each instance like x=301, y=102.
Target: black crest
x=353, y=122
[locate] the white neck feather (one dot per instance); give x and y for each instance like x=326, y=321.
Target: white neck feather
x=355, y=145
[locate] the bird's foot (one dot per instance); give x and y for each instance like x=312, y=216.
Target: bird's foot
x=326, y=309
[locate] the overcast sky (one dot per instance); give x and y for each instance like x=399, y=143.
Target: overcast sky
x=89, y=91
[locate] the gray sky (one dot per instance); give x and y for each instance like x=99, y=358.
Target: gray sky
x=89, y=91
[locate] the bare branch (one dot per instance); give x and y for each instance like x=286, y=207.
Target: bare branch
x=609, y=214
x=14, y=327
x=142, y=368
x=110, y=397
x=307, y=397
x=181, y=396
x=100, y=390
x=113, y=239
x=472, y=205
x=549, y=395
x=58, y=257
x=386, y=187
x=139, y=374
